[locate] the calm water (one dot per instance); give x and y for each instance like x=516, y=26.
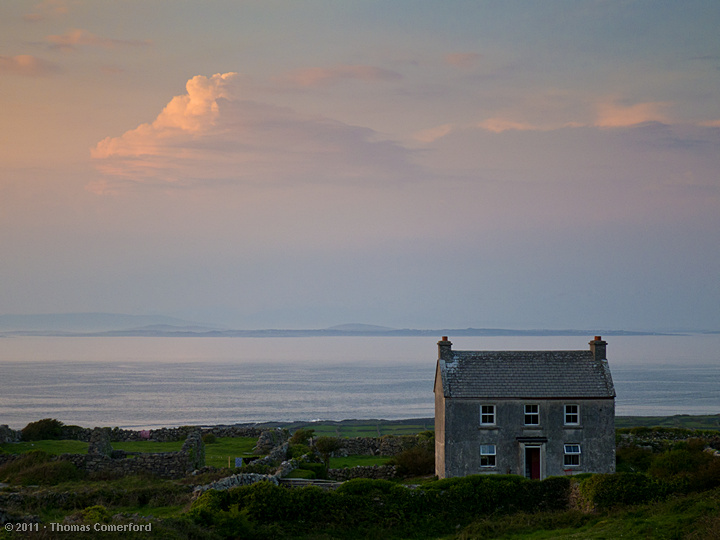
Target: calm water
x=153, y=382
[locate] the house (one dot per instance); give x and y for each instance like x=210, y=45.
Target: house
x=532, y=413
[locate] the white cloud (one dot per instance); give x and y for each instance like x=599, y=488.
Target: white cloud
x=210, y=134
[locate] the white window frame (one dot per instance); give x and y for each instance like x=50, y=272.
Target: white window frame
x=488, y=454
x=576, y=414
x=484, y=415
x=572, y=454
x=532, y=409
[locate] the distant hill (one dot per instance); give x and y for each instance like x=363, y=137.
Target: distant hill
x=85, y=322
x=113, y=324
x=361, y=328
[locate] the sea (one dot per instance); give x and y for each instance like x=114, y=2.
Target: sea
x=151, y=382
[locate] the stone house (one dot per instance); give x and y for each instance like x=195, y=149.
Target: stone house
x=532, y=413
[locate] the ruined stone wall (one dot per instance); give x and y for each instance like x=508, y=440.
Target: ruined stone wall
x=389, y=445
x=8, y=435
x=158, y=435
x=101, y=458
x=375, y=472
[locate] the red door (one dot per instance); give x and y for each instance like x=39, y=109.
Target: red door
x=532, y=462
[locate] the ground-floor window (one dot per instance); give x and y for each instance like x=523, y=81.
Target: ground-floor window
x=572, y=455
x=487, y=455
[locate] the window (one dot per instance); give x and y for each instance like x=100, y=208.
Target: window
x=487, y=415
x=572, y=455
x=487, y=455
x=572, y=415
x=532, y=415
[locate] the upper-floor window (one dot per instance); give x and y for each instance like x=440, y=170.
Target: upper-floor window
x=487, y=455
x=532, y=415
x=572, y=455
x=572, y=415
x=487, y=415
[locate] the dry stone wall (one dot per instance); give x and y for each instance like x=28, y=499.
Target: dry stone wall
x=375, y=472
x=389, y=445
x=157, y=435
x=8, y=435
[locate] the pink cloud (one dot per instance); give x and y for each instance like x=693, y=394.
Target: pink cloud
x=71, y=39
x=612, y=114
x=462, y=60
x=498, y=125
x=710, y=123
x=328, y=76
x=210, y=134
x=25, y=64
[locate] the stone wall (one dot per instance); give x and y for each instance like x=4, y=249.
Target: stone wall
x=375, y=472
x=78, y=433
x=390, y=445
x=8, y=435
x=101, y=458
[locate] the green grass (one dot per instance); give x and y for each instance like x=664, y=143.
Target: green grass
x=51, y=447
x=148, y=446
x=357, y=461
x=694, y=517
x=217, y=453
x=709, y=421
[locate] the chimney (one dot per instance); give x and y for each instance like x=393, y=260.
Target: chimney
x=445, y=350
x=597, y=347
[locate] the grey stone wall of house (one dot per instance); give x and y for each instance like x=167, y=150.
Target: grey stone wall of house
x=440, y=436
x=464, y=436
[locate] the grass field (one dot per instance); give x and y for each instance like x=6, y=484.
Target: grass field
x=51, y=447
x=217, y=453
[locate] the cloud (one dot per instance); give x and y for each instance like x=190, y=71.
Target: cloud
x=498, y=125
x=710, y=123
x=47, y=9
x=70, y=40
x=612, y=114
x=211, y=135
x=433, y=134
x=25, y=64
x=317, y=76
x=462, y=60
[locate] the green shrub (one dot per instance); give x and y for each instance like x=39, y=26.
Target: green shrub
x=326, y=446
x=415, y=461
x=209, y=438
x=95, y=514
x=318, y=469
x=302, y=436
x=45, y=429
x=48, y=474
x=633, y=459
x=619, y=489
x=26, y=461
x=298, y=450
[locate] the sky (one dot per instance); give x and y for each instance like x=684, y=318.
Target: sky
x=407, y=163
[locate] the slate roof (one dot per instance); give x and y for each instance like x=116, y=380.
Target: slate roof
x=525, y=374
